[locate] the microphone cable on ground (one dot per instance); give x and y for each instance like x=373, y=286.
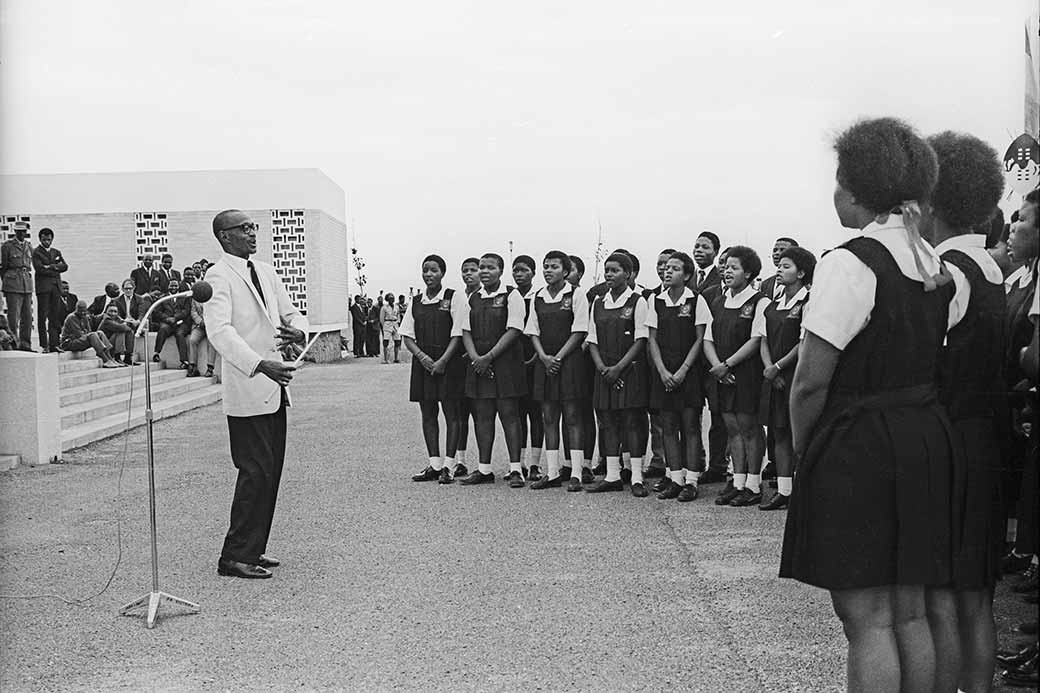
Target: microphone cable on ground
x=81, y=601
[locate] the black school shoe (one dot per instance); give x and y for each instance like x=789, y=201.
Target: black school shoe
x=689, y=492
x=778, y=502
x=661, y=485
x=534, y=474
x=712, y=476
x=445, y=476
x=460, y=471
x=574, y=485
x=671, y=490
x=603, y=486
x=478, y=478
x=515, y=479
x=586, y=476
x=639, y=491
x=428, y=474
x=546, y=482
x=745, y=498
x=728, y=494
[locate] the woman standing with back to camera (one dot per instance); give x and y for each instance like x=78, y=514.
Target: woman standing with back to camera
x=870, y=517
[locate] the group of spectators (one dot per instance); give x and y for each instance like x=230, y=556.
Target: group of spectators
x=109, y=322
x=375, y=321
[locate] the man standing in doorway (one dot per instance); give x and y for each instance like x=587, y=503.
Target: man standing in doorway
x=17, y=281
x=50, y=315
x=248, y=319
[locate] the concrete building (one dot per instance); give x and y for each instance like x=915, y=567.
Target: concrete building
x=105, y=222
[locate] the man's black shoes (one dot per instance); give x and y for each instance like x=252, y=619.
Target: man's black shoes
x=445, y=476
x=248, y=571
x=478, y=478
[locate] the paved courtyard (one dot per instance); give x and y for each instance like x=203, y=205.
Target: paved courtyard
x=387, y=584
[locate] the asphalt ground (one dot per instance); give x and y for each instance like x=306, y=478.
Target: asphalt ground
x=387, y=584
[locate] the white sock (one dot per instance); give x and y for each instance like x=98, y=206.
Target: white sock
x=637, y=470
x=552, y=463
x=739, y=481
x=534, y=457
x=754, y=482
x=460, y=455
x=784, y=484
x=676, y=476
x=626, y=459
x=449, y=464
x=516, y=467
x=576, y=463
x=692, y=477
x=523, y=456
x=436, y=463
x=484, y=468
x=613, y=469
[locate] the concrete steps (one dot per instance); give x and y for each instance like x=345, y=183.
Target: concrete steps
x=93, y=400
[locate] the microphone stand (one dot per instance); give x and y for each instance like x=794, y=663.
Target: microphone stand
x=154, y=598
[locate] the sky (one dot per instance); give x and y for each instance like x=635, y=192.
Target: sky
x=456, y=127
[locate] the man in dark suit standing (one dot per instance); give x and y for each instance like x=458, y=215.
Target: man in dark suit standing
x=358, y=319
x=48, y=264
x=166, y=272
x=248, y=320
x=68, y=300
x=768, y=287
x=707, y=281
x=146, y=277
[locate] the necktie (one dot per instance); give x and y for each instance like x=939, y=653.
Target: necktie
x=256, y=282
x=700, y=277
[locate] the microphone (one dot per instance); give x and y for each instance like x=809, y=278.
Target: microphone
x=200, y=291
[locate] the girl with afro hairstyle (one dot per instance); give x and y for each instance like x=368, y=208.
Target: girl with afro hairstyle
x=731, y=349
x=779, y=352
x=971, y=385
x=871, y=514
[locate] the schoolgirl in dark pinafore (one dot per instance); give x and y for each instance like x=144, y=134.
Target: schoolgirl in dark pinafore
x=731, y=329
x=971, y=385
x=572, y=382
x=487, y=319
x=872, y=504
x=616, y=329
x=433, y=327
x=783, y=332
x=676, y=334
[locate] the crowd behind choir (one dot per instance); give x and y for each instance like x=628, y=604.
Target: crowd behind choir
x=108, y=323
x=911, y=563
x=375, y=321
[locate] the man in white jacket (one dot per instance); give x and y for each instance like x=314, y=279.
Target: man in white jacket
x=249, y=318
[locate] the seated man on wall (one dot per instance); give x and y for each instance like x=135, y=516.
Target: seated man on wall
x=78, y=334
x=197, y=340
x=100, y=303
x=68, y=300
x=120, y=333
x=172, y=318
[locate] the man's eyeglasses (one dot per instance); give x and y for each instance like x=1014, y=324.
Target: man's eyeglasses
x=245, y=226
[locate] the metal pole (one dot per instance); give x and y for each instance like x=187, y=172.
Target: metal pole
x=151, y=463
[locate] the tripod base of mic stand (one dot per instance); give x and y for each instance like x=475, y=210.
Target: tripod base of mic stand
x=153, y=600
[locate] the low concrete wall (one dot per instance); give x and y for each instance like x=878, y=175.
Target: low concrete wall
x=30, y=419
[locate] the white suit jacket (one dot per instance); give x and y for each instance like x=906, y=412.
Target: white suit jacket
x=244, y=333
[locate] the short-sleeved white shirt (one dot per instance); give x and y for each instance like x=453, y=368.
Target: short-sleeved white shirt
x=844, y=287
x=407, y=328
x=641, y=331
x=758, y=322
x=579, y=305
x=758, y=327
x=514, y=304
x=701, y=312
x=974, y=246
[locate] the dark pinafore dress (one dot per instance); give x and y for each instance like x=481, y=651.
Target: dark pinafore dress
x=730, y=330
x=676, y=334
x=971, y=385
x=488, y=318
x=783, y=332
x=1019, y=329
x=528, y=346
x=872, y=505
x=433, y=326
x=555, y=323
x=615, y=332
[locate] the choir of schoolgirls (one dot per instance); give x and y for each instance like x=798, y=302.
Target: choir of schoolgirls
x=565, y=370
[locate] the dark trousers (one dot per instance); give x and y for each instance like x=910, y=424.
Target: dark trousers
x=258, y=452
x=179, y=333
x=718, y=438
x=50, y=314
x=358, y=332
x=372, y=343
x=19, y=317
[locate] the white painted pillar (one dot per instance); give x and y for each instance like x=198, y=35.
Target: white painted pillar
x=30, y=420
